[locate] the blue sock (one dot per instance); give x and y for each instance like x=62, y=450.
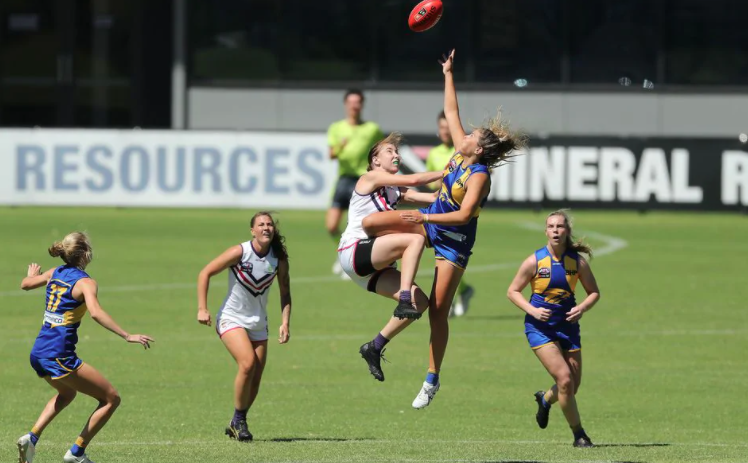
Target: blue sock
x=546, y=404
x=579, y=433
x=405, y=296
x=432, y=378
x=239, y=415
x=77, y=451
x=34, y=438
x=379, y=342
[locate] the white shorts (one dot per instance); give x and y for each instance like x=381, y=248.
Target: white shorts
x=347, y=260
x=258, y=332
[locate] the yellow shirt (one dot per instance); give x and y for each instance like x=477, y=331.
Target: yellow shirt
x=352, y=158
x=438, y=159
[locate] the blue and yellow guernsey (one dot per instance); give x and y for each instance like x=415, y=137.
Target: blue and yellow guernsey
x=62, y=317
x=553, y=285
x=458, y=238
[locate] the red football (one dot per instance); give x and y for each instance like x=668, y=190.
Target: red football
x=425, y=15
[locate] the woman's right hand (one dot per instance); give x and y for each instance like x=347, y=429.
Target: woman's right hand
x=541, y=314
x=447, y=61
x=203, y=316
x=34, y=270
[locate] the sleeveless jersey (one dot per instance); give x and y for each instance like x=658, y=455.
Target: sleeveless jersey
x=382, y=199
x=553, y=284
x=455, y=177
x=249, y=280
x=62, y=317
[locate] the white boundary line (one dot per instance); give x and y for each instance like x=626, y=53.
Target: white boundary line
x=612, y=244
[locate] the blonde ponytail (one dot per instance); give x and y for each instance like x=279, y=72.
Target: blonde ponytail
x=75, y=250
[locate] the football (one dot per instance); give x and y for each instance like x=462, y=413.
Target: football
x=425, y=15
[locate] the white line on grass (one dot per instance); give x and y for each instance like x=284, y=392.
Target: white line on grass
x=612, y=244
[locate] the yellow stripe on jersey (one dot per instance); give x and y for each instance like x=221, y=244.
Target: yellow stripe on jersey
x=540, y=285
x=572, y=273
x=556, y=295
x=72, y=317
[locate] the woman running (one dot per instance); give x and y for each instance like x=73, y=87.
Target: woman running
x=242, y=320
x=552, y=320
x=70, y=293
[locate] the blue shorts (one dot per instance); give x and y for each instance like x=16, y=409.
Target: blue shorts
x=56, y=368
x=446, y=248
x=567, y=335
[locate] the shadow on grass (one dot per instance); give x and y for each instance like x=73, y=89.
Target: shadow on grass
x=653, y=444
x=513, y=461
x=537, y=461
x=316, y=439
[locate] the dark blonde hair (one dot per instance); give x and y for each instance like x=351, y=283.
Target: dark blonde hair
x=395, y=138
x=278, y=244
x=499, y=142
x=75, y=250
x=571, y=243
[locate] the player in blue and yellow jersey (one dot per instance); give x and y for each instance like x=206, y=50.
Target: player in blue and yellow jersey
x=451, y=222
x=553, y=314
x=438, y=159
x=70, y=293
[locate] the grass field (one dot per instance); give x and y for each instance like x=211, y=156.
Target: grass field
x=664, y=350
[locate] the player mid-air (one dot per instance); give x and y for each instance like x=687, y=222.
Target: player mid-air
x=450, y=223
x=369, y=261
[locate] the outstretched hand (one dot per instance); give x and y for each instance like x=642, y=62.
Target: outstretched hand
x=142, y=339
x=34, y=270
x=447, y=61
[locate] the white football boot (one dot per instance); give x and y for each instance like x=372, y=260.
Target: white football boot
x=463, y=302
x=70, y=458
x=426, y=395
x=26, y=449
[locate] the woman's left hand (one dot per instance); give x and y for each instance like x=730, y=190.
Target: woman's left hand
x=284, y=334
x=412, y=216
x=142, y=339
x=575, y=314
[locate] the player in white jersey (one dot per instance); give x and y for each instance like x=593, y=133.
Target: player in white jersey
x=370, y=261
x=242, y=322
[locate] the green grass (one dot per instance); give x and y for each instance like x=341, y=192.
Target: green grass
x=665, y=349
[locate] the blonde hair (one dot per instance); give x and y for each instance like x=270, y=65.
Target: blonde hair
x=395, y=138
x=571, y=243
x=75, y=250
x=499, y=142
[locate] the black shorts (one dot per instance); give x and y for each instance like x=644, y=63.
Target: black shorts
x=341, y=199
x=355, y=260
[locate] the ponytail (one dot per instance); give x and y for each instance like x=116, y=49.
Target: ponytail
x=75, y=250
